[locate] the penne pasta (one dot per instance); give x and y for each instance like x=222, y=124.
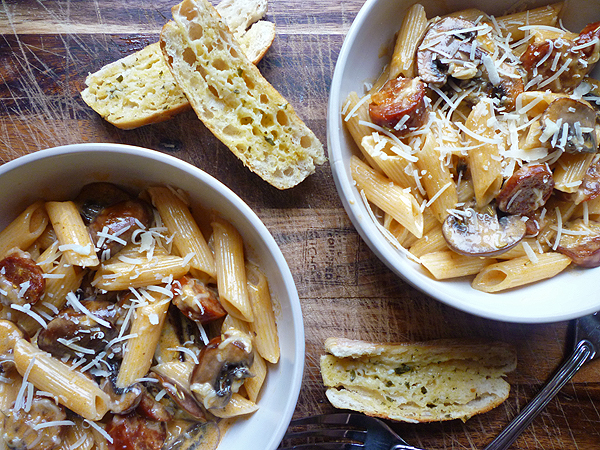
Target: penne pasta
x=237, y=406
x=72, y=389
x=264, y=327
x=23, y=231
x=72, y=234
x=145, y=333
x=410, y=35
x=392, y=199
x=484, y=163
x=519, y=271
x=186, y=235
x=231, y=270
x=447, y=264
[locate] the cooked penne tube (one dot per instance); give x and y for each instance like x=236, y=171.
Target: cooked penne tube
x=520, y=271
x=264, y=327
x=410, y=34
x=77, y=437
x=570, y=170
x=231, y=270
x=255, y=382
x=187, y=236
x=178, y=371
x=23, y=231
x=237, y=406
x=437, y=179
x=486, y=169
x=72, y=234
x=72, y=389
x=356, y=112
x=432, y=241
x=392, y=199
x=513, y=23
x=119, y=273
x=448, y=264
x=145, y=333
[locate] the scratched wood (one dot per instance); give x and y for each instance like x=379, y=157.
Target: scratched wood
x=47, y=48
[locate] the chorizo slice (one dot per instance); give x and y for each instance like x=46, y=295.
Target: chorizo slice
x=21, y=279
x=400, y=105
x=526, y=190
x=132, y=432
x=197, y=301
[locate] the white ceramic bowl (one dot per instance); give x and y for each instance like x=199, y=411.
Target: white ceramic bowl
x=59, y=173
x=571, y=294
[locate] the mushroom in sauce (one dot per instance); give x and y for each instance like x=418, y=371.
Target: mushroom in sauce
x=180, y=394
x=223, y=366
x=207, y=432
x=21, y=279
x=569, y=125
x=446, y=50
x=482, y=234
x=19, y=428
x=451, y=48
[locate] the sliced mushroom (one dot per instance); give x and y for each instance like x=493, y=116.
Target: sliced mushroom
x=19, y=428
x=74, y=333
x=569, y=124
x=399, y=105
x=482, y=234
x=197, y=301
x=94, y=197
x=584, y=247
x=223, y=366
x=446, y=50
x=526, y=190
x=21, y=279
x=133, y=432
x=174, y=377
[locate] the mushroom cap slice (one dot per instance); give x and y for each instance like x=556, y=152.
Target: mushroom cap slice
x=445, y=41
x=481, y=234
x=222, y=367
x=571, y=125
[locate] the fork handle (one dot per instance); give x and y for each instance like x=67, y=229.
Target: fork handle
x=583, y=352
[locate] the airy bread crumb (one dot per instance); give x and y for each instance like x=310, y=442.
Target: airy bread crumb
x=234, y=101
x=417, y=382
x=139, y=89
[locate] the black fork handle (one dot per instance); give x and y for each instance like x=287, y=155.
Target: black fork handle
x=583, y=352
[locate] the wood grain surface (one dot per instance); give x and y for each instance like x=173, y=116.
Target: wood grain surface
x=47, y=48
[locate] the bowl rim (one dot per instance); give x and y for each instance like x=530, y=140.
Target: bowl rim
x=294, y=383
x=379, y=245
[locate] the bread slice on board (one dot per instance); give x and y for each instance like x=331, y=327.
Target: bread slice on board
x=233, y=99
x=139, y=89
x=417, y=382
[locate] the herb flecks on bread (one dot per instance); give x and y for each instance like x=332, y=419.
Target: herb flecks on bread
x=234, y=100
x=417, y=382
x=139, y=89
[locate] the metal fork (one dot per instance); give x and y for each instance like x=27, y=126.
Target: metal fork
x=342, y=431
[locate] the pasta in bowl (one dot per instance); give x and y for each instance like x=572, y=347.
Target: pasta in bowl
x=136, y=308
x=466, y=156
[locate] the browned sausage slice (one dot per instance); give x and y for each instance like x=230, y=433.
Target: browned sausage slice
x=400, y=105
x=21, y=279
x=527, y=190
